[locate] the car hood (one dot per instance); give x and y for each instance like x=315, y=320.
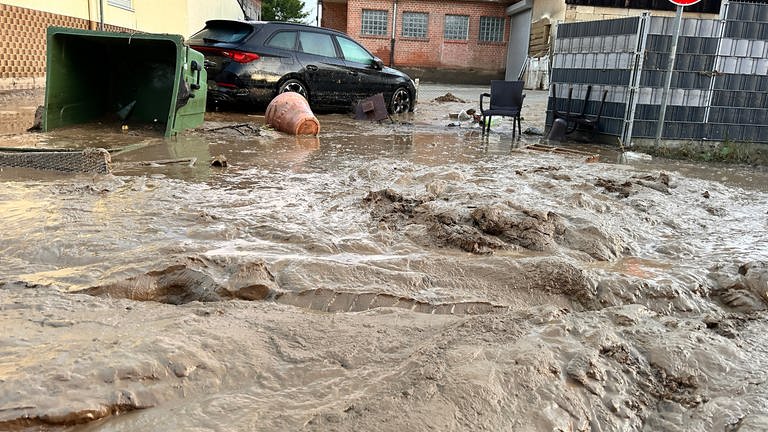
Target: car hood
x=395, y=72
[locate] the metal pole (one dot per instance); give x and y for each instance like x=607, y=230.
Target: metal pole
x=668, y=78
x=394, y=33
x=101, y=15
x=634, y=82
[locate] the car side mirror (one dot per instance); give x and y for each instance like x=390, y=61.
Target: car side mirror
x=377, y=63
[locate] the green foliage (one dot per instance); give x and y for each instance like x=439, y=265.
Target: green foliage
x=283, y=10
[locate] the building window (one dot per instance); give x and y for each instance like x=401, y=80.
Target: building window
x=491, y=29
x=125, y=4
x=374, y=22
x=456, y=27
x=415, y=24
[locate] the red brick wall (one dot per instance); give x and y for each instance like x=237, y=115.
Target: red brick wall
x=434, y=52
x=334, y=16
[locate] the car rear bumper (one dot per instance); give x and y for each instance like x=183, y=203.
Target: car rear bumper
x=226, y=96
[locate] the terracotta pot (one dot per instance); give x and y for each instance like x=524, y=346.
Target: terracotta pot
x=290, y=113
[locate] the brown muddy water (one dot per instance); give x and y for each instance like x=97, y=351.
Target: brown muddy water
x=407, y=276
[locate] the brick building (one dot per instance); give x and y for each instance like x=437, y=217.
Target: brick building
x=451, y=41
x=474, y=40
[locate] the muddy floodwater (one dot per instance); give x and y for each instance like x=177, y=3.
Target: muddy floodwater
x=398, y=276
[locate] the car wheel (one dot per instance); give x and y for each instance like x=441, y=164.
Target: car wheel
x=401, y=101
x=296, y=86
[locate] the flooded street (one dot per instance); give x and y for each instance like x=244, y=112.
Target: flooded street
x=396, y=276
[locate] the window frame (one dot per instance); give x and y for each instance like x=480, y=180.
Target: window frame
x=426, y=25
x=122, y=4
x=494, y=20
x=445, y=28
x=379, y=12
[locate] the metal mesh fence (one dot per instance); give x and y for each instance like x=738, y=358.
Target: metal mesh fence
x=92, y=160
x=469, y=94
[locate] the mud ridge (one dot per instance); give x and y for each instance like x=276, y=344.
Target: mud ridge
x=180, y=284
x=328, y=300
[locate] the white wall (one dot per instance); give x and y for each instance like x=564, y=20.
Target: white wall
x=200, y=11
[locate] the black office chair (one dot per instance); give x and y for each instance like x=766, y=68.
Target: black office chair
x=506, y=100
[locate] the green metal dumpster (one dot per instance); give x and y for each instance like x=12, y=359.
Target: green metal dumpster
x=126, y=79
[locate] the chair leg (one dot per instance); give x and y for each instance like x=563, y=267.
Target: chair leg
x=488, y=126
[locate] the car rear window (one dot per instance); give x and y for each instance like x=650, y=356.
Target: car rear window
x=223, y=32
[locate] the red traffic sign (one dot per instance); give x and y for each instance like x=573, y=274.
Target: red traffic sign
x=685, y=2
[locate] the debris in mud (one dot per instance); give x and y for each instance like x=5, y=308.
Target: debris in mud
x=219, y=161
x=190, y=161
x=745, y=291
x=37, y=125
x=629, y=156
x=290, y=113
x=659, y=183
x=534, y=131
x=448, y=97
x=241, y=128
x=390, y=207
x=89, y=160
x=489, y=227
x=537, y=170
x=622, y=189
x=373, y=108
x=588, y=157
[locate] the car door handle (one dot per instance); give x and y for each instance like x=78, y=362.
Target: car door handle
x=312, y=68
x=353, y=73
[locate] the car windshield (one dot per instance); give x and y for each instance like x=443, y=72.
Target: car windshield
x=353, y=52
x=223, y=32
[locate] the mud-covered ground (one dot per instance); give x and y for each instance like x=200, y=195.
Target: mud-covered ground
x=396, y=276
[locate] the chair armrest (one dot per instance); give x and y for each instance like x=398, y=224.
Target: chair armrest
x=483, y=95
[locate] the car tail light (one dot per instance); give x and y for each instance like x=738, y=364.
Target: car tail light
x=237, y=56
x=240, y=56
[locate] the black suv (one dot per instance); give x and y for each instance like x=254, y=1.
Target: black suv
x=252, y=61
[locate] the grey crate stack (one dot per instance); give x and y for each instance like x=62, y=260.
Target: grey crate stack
x=719, y=87
x=599, y=54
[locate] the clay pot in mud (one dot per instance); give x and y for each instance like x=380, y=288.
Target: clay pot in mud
x=290, y=113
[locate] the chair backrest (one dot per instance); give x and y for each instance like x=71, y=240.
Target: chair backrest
x=506, y=94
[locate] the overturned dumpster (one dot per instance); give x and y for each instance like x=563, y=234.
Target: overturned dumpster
x=125, y=79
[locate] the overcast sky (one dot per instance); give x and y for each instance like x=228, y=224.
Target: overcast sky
x=310, y=6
